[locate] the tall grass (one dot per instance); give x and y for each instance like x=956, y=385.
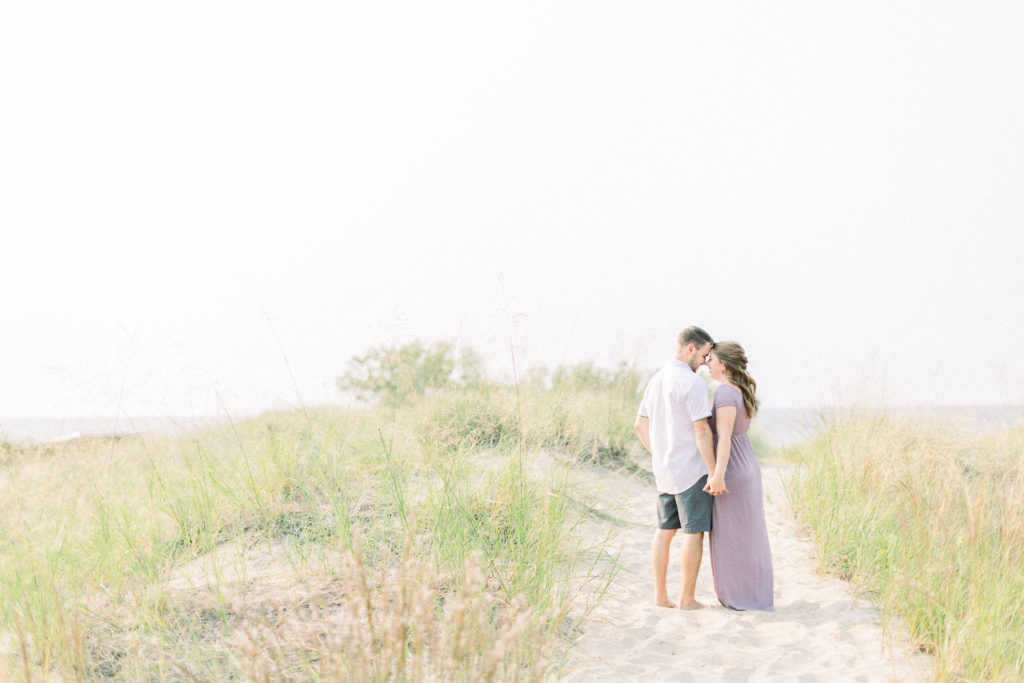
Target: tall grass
x=928, y=522
x=429, y=540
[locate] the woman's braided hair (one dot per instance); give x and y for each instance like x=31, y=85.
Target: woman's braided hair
x=735, y=361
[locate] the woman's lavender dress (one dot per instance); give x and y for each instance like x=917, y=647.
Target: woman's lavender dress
x=741, y=558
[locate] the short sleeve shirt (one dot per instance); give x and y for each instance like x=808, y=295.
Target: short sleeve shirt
x=674, y=399
x=728, y=395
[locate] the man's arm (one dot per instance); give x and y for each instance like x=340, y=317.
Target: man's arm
x=726, y=419
x=643, y=430
x=705, y=443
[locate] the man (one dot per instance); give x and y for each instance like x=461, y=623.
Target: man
x=672, y=424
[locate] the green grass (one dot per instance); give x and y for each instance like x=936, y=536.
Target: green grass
x=430, y=540
x=929, y=523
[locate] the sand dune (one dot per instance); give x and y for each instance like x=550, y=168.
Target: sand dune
x=817, y=632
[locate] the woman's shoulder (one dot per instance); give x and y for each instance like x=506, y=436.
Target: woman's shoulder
x=729, y=389
x=727, y=392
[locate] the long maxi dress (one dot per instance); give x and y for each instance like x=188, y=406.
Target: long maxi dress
x=741, y=557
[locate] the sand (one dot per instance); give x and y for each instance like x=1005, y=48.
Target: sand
x=818, y=632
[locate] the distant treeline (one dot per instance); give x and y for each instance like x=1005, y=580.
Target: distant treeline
x=394, y=375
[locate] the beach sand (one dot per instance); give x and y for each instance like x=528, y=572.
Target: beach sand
x=818, y=632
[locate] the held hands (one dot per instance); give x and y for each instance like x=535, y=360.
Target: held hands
x=715, y=485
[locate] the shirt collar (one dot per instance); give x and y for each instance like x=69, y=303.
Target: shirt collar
x=680, y=364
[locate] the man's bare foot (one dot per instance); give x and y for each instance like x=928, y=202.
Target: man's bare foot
x=663, y=603
x=691, y=604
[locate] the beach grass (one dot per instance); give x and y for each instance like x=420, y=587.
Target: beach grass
x=928, y=522
x=435, y=538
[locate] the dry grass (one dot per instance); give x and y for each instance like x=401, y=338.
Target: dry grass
x=929, y=522
x=427, y=542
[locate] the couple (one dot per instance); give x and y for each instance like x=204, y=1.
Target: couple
x=707, y=473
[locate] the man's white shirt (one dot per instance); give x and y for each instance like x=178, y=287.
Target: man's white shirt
x=674, y=399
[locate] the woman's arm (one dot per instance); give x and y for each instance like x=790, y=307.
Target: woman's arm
x=725, y=418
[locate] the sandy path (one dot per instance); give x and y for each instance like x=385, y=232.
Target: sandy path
x=818, y=631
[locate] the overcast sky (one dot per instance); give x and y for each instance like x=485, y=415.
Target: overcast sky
x=212, y=206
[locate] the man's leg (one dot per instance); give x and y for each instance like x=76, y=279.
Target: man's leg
x=659, y=565
x=693, y=549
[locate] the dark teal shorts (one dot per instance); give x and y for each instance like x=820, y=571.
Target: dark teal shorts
x=689, y=510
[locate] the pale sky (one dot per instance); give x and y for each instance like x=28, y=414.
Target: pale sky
x=198, y=196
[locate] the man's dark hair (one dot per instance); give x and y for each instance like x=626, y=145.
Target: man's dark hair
x=694, y=335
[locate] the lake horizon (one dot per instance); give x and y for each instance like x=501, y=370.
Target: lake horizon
x=778, y=426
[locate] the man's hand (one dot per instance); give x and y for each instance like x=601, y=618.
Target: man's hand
x=715, y=485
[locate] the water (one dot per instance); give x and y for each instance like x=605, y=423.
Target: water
x=786, y=426
x=44, y=430
x=789, y=426
x=778, y=426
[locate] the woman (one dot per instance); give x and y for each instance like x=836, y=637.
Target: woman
x=741, y=558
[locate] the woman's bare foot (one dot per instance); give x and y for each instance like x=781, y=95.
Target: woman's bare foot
x=691, y=604
x=663, y=603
